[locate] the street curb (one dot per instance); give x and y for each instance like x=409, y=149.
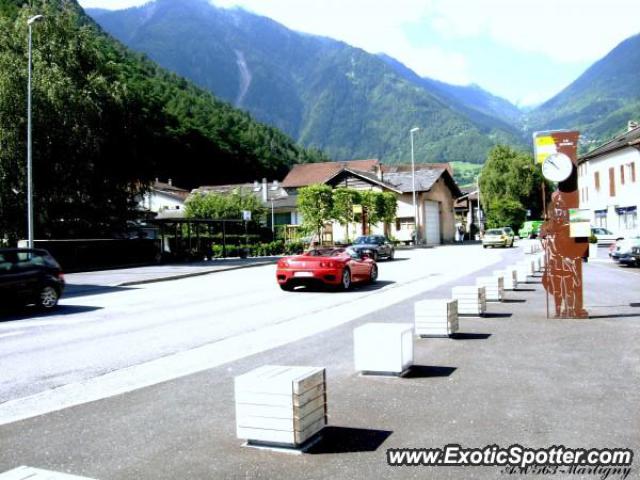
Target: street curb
x=194, y=274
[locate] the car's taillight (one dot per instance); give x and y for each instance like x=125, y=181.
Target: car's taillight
x=327, y=264
x=61, y=276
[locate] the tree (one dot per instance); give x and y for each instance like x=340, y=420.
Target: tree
x=387, y=208
x=344, y=200
x=510, y=184
x=315, y=203
x=214, y=206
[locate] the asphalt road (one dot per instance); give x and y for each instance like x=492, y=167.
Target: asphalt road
x=192, y=324
x=512, y=376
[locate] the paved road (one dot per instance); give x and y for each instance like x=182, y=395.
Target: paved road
x=512, y=376
x=125, y=338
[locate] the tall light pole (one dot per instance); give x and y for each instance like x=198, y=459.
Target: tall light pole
x=413, y=182
x=30, y=22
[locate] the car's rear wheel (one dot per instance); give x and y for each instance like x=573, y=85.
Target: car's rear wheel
x=286, y=287
x=345, y=280
x=373, y=274
x=48, y=297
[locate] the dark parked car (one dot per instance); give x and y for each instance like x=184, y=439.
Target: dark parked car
x=30, y=277
x=376, y=246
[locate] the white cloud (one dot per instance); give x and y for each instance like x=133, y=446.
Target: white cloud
x=565, y=31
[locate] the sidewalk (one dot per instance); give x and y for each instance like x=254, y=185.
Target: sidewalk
x=513, y=376
x=88, y=282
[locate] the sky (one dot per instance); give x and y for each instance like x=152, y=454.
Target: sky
x=523, y=50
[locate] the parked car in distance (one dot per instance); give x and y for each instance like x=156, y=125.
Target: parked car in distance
x=530, y=229
x=621, y=250
x=497, y=237
x=337, y=267
x=378, y=246
x=634, y=257
x=604, y=236
x=30, y=276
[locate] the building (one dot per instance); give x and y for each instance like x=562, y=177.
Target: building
x=469, y=213
x=608, y=185
x=435, y=195
x=164, y=200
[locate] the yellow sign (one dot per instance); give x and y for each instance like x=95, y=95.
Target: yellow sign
x=357, y=209
x=543, y=146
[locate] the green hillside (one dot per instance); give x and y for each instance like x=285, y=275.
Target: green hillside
x=324, y=93
x=106, y=122
x=601, y=101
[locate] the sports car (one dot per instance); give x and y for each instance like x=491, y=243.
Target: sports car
x=337, y=267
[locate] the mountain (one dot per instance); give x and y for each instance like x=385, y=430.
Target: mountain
x=106, y=122
x=324, y=93
x=601, y=101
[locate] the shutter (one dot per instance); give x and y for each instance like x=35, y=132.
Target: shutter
x=621, y=174
x=596, y=179
x=633, y=172
x=612, y=182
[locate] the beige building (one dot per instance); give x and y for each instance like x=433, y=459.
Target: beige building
x=435, y=189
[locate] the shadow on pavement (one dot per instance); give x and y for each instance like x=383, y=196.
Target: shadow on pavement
x=525, y=290
x=424, y=371
x=497, y=315
x=32, y=312
x=470, y=336
x=513, y=300
x=619, y=315
x=357, y=287
x=634, y=304
x=77, y=290
x=349, y=440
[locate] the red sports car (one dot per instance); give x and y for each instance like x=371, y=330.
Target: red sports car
x=337, y=267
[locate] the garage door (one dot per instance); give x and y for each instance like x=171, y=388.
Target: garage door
x=432, y=222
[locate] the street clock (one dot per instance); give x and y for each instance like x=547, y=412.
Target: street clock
x=557, y=167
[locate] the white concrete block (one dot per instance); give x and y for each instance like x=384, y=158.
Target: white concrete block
x=280, y=404
x=471, y=299
x=436, y=318
x=30, y=473
x=383, y=347
x=494, y=287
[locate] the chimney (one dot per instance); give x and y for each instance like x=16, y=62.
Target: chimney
x=170, y=182
x=264, y=190
x=632, y=125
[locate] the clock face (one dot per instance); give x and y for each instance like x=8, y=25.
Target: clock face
x=557, y=167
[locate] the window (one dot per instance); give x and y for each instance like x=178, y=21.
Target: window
x=612, y=182
x=596, y=180
x=600, y=218
x=405, y=223
x=627, y=218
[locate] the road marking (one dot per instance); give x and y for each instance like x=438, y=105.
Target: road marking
x=224, y=351
x=11, y=334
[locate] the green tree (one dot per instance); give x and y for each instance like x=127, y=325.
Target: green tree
x=214, y=206
x=510, y=184
x=387, y=205
x=344, y=200
x=315, y=203
x=371, y=206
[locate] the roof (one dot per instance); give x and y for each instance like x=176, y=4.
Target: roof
x=627, y=139
x=425, y=180
x=369, y=177
x=169, y=189
x=279, y=196
x=418, y=166
x=305, y=174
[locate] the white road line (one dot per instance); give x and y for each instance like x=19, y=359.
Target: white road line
x=213, y=355
x=11, y=334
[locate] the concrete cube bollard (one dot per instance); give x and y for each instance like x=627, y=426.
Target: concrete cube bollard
x=280, y=405
x=510, y=277
x=522, y=273
x=471, y=300
x=436, y=318
x=494, y=287
x=383, y=348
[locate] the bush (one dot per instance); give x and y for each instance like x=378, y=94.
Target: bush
x=293, y=248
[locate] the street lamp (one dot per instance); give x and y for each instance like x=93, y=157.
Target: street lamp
x=30, y=22
x=413, y=181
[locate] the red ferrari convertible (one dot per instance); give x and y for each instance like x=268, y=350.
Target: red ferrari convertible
x=337, y=267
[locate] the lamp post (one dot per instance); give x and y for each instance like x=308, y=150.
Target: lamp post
x=413, y=182
x=30, y=22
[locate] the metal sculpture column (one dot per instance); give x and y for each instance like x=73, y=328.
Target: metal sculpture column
x=562, y=278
